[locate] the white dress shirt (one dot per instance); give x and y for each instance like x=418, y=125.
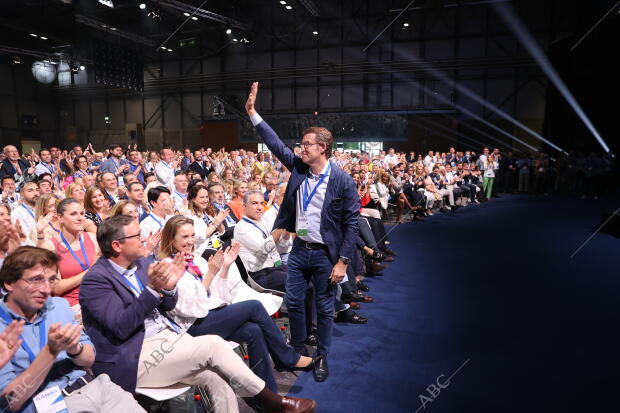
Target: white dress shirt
x=202, y=242
x=152, y=223
x=25, y=214
x=284, y=246
x=315, y=208
x=165, y=174
x=178, y=199
x=258, y=250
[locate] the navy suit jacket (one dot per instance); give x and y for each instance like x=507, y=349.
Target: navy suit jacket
x=7, y=169
x=114, y=319
x=341, y=207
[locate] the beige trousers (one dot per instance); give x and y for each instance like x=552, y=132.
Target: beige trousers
x=101, y=395
x=208, y=361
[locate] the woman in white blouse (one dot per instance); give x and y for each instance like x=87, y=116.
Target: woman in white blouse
x=204, y=306
x=208, y=221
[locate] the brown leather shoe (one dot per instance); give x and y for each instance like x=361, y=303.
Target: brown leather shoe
x=297, y=405
x=354, y=305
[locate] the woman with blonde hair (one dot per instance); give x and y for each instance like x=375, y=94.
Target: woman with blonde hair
x=205, y=305
x=76, y=191
x=46, y=218
x=96, y=209
x=240, y=188
x=213, y=177
x=125, y=207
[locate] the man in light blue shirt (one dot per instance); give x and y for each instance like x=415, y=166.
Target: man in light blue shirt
x=54, y=352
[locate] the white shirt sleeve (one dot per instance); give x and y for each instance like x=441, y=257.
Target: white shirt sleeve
x=256, y=119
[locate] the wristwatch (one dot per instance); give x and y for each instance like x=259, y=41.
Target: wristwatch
x=345, y=260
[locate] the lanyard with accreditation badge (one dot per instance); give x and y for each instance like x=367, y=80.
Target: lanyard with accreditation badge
x=24, y=345
x=306, y=198
x=276, y=259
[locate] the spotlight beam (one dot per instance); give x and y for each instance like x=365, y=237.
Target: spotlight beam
x=450, y=138
x=389, y=24
x=457, y=134
x=520, y=31
x=486, y=122
x=485, y=103
x=595, y=26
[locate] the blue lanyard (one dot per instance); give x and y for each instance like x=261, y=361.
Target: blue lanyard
x=29, y=211
x=83, y=266
x=259, y=228
x=228, y=217
x=49, y=167
x=276, y=207
x=182, y=196
x=206, y=219
x=307, y=198
x=138, y=289
x=53, y=227
x=167, y=166
x=25, y=346
x=156, y=220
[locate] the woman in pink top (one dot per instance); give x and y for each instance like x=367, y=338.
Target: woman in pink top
x=76, y=249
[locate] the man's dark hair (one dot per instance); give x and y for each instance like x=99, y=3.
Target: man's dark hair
x=23, y=258
x=114, y=146
x=43, y=150
x=44, y=176
x=134, y=183
x=112, y=229
x=177, y=173
x=4, y=178
x=155, y=192
x=148, y=175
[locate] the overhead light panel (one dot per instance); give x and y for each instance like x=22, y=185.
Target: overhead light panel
x=186, y=14
x=235, y=40
x=82, y=67
x=282, y=2
x=34, y=35
x=43, y=37
x=405, y=24
x=194, y=18
x=288, y=7
x=142, y=6
x=107, y=3
x=315, y=33
x=228, y=31
x=17, y=60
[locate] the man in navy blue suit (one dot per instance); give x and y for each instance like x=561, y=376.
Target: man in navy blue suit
x=321, y=206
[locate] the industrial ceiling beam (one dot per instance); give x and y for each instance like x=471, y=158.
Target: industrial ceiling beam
x=205, y=14
x=99, y=25
x=311, y=7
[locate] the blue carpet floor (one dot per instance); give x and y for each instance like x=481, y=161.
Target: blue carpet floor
x=490, y=296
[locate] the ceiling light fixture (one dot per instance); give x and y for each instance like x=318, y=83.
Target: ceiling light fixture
x=82, y=67
x=194, y=18
x=142, y=6
x=405, y=24
x=282, y=2
x=34, y=35
x=315, y=33
x=43, y=37
x=288, y=7
x=228, y=31
x=186, y=14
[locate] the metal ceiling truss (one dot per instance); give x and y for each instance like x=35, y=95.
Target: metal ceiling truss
x=205, y=14
x=99, y=25
x=311, y=7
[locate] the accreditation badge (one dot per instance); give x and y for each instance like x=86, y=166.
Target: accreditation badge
x=302, y=226
x=50, y=401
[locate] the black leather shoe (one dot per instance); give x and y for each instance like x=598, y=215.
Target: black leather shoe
x=350, y=316
x=362, y=286
x=312, y=339
x=321, y=371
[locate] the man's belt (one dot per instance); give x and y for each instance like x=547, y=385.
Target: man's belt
x=310, y=245
x=78, y=384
